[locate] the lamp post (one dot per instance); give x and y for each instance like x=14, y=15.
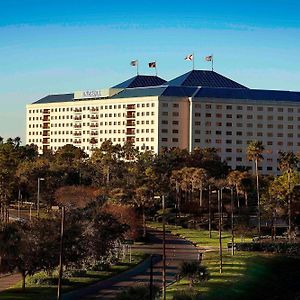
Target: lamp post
x=164, y=249
x=38, y=196
x=60, y=272
x=220, y=228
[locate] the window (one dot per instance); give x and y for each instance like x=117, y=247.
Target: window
x=175, y=122
x=164, y=139
x=164, y=113
x=249, y=107
x=208, y=106
x=175, y=140
x=164, y=122
x=228, y=107
x=280, y=109
x=165, y=105
x=218, y=106
x=197, y=114
x=239, y=107
x=208, y=115
x=175, y=105
x=164, y=130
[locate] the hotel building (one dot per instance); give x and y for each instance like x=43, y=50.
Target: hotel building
x=197, y=109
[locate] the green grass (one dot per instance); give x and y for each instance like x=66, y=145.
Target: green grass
x=48, y=292
x=198, y=236
x=247, y=275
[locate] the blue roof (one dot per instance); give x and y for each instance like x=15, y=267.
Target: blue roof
x=202, y=78
x=167, y=91
x=251, y=94
x=141, y=81
x=56, y=98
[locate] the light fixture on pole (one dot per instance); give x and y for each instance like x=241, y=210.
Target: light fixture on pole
x=38, y=196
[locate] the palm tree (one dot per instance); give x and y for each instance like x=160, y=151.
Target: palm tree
x=198, y=178
x=254, y=153
x=288, y=161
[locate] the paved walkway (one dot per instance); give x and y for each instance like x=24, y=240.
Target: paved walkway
x=7, y=281
x=177, y=250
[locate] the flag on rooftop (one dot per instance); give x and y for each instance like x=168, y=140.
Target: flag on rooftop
x=189, y=57
x=152, y=64
x=134, y=63
x=209, y=58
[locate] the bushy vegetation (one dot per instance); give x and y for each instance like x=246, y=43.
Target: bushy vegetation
x=283, y=248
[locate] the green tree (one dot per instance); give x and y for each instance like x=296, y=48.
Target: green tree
x=288, y=162
x=254, y=153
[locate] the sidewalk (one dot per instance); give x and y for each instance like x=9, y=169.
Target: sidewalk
x=9, y=280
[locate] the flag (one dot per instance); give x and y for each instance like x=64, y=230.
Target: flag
x=189, y=57
x=209, y=58
x=152, y=64
x=134, y=63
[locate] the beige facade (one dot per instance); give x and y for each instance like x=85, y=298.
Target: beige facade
x=165, y=117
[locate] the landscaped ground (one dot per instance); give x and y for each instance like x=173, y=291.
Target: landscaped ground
x=199, y=237
x=48, y=292
x=246, y=275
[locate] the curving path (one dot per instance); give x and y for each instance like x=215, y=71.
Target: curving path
x=177, y=250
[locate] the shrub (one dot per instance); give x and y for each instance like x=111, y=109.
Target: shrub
x=193, y=271
x=138, y=293
x=284, y=248
x=74, y=273
x=187, y=295
x=43, y=278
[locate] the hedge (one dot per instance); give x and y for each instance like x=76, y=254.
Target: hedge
x=284, y=248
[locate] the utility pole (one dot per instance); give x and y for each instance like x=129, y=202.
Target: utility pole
x=62, y=225
x=164, y=250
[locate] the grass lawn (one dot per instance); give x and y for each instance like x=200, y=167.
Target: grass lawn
x=199, y=237
x=48, y=292
x=247, y=275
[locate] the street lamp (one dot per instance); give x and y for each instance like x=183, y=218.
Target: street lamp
x=164, y=282
x=38, y=196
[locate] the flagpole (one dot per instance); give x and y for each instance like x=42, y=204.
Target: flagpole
x=155, y=69
x=193, y=61
x=137, y=68
x=212, y=62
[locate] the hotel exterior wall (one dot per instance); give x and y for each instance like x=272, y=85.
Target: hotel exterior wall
x=71, y=122
x=230, y=124
x=173, y=122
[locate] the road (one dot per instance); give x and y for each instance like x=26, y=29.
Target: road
x=177, y=250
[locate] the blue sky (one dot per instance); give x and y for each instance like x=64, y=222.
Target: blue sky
x=49, y=47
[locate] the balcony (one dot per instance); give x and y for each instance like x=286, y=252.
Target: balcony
x=130, y=131
x=77, y=142
x=46, y=111
x=77, y=126
x=95, y=117
x=77, y=110
x=77, y=133
x=130, y=139
x=46, y=141
x=46, y=119
x=93, y=141
x=94, y=133
x=94, y=109
x=130, y=115
x=94, y=125
x=46, y=133
x=130, y=107
x=130, y=123
x=77, y=118
x=46, y=126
